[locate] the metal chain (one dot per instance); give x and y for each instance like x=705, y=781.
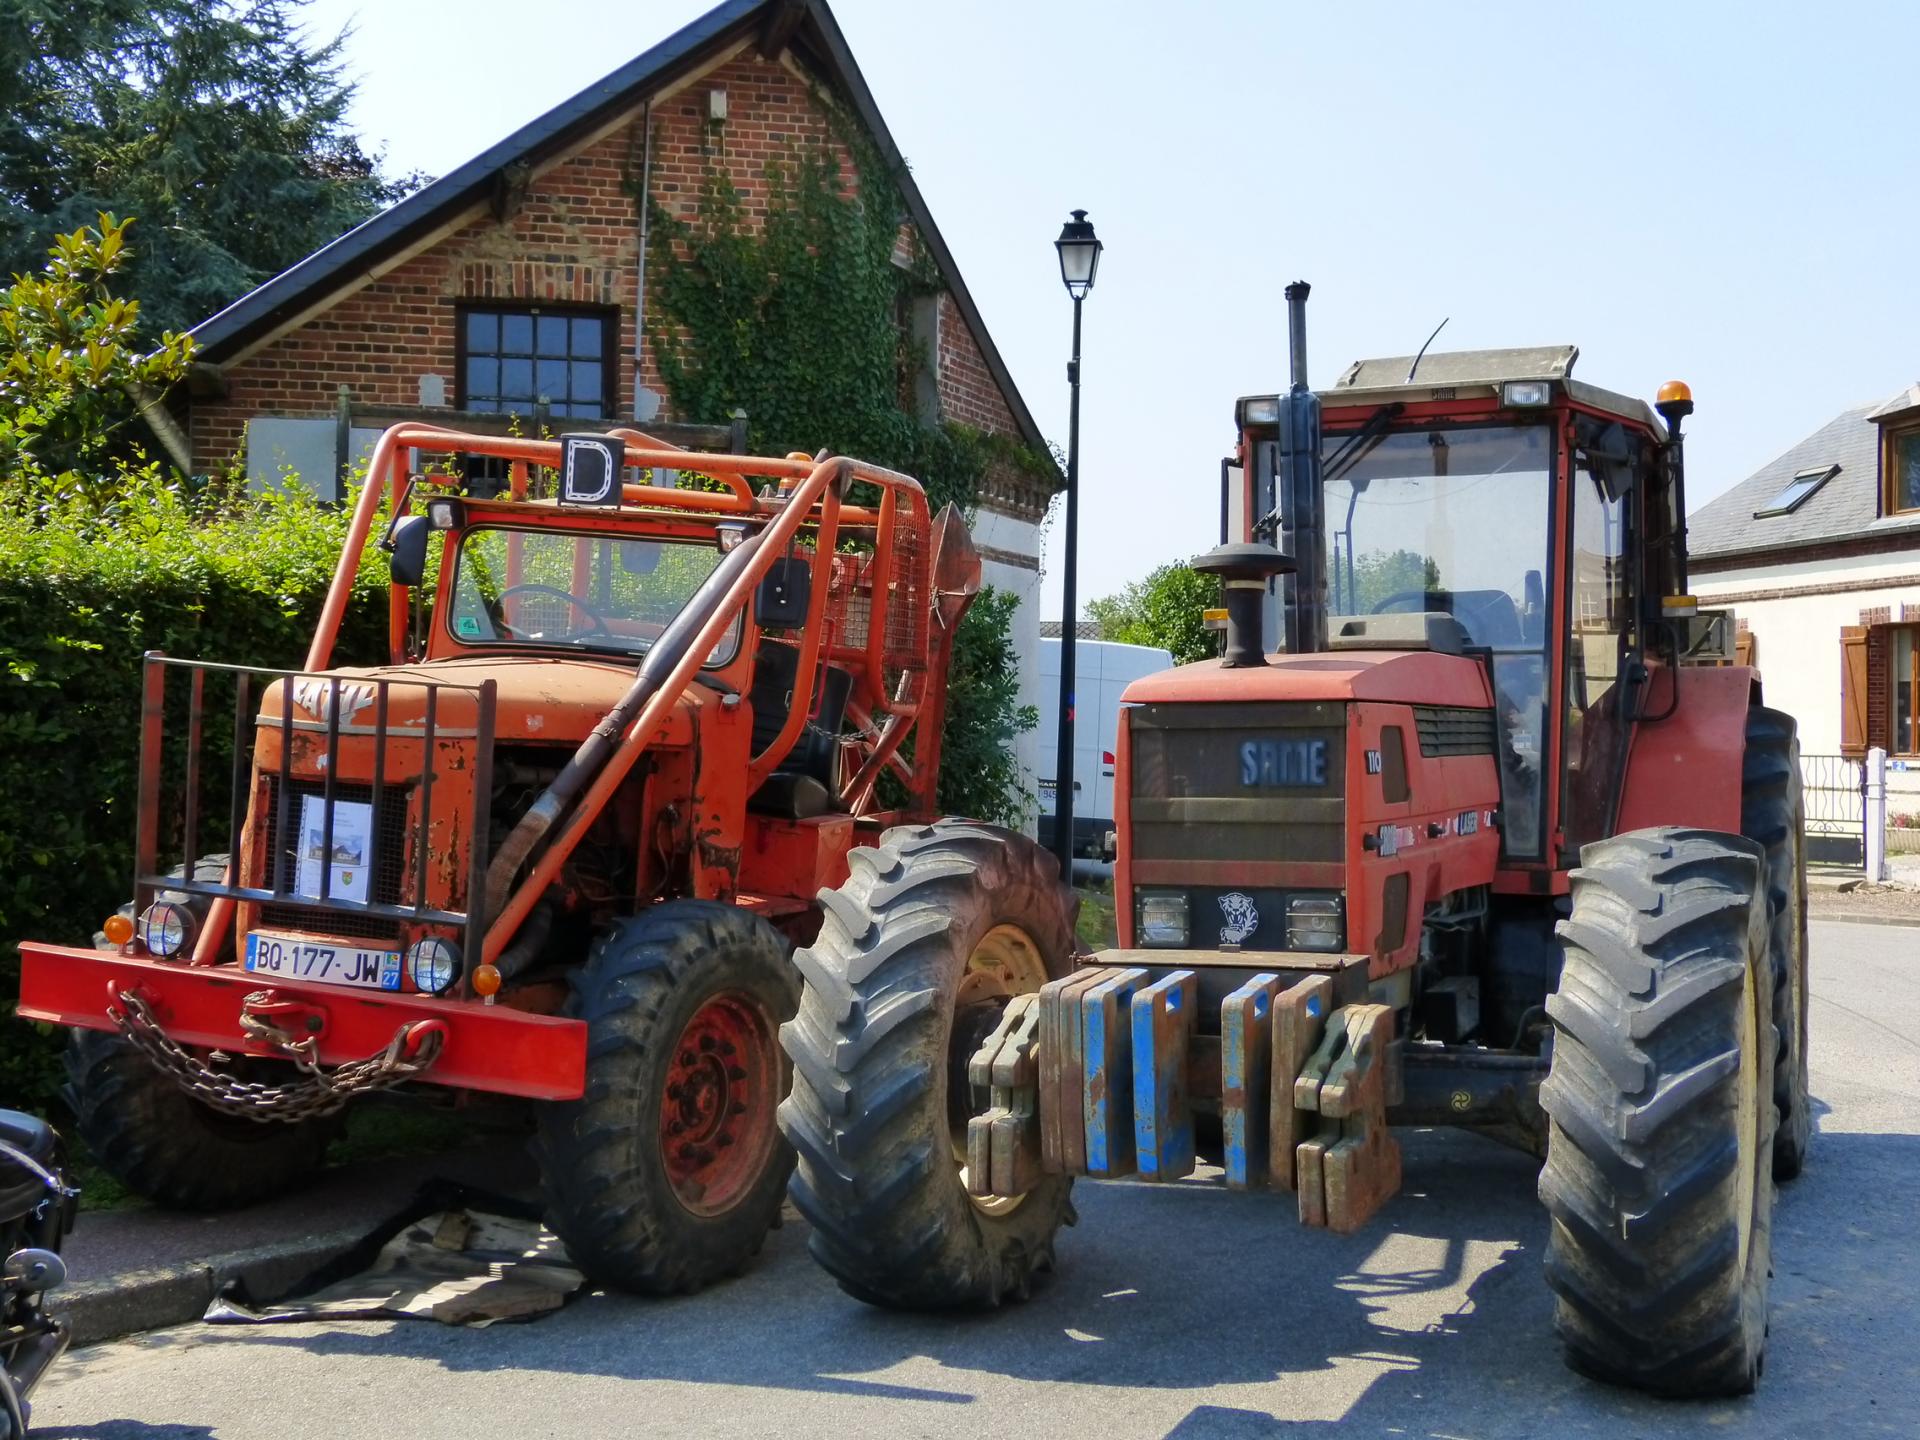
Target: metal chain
x=321, y=1092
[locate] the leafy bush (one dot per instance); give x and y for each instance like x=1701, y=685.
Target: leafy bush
x=978, y=773
x=1166, y=610
x=73, y=371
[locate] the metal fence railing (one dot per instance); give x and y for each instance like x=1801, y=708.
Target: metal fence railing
x=1833, y=789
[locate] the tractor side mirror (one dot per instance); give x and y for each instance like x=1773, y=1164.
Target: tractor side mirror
x=407, y=550
x=785, y=593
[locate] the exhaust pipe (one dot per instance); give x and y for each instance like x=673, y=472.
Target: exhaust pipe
x=1303, y=501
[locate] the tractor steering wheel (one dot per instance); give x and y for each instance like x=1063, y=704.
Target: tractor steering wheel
x=599, y=622
x=1397, y=601
x=1488, y=616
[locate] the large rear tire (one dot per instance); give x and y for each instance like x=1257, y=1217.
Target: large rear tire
x=1659, y=1172
x=666, y=1175
x=918, y=952
x=1772, y=813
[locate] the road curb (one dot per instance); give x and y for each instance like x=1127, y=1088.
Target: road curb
x=137, y=1300
x=1911, y=922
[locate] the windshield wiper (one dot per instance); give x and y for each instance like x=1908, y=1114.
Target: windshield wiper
x=1343, y=460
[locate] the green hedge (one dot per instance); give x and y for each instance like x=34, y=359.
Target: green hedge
x=82, y=598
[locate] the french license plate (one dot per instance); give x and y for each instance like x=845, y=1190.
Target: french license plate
x=295, y=958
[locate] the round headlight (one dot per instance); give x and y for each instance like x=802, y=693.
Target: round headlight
x=165, y=928
x=433, y=964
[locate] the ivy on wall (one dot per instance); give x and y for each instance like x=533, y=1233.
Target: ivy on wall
x=798, y=320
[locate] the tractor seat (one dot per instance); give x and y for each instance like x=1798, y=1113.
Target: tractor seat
x=802, y=787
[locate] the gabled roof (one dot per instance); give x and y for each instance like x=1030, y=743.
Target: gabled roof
x=1845, y=507
x=806, y=26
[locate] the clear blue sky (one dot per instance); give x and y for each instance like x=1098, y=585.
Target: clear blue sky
x=1719, y=192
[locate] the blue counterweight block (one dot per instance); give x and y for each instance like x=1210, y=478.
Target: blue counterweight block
x=1162, y=1113
x=1246, y=1063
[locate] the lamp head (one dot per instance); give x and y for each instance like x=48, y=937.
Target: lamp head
x=1079, y=251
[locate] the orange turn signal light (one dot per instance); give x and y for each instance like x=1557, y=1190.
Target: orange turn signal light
x=486, y=981
x=118, y=928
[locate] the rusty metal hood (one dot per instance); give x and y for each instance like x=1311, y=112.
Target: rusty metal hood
x=544, y=699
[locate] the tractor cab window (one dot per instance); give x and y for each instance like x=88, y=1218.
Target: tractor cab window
x=576, y=591
x=1457, y=519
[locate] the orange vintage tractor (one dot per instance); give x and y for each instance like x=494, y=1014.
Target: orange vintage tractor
x=561, y=846
x=1472, y=849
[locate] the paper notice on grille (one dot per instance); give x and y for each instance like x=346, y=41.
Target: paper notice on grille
x=352, y=838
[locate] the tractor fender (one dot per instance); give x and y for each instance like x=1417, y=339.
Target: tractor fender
x=1685, y=769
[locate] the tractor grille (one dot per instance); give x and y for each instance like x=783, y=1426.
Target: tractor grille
x=389, y=882
x=1259, y=782
x=1453, y=730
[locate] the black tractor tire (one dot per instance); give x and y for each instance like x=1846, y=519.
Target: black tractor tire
x=1773, y=814
x=1659, y=1171
x=934, y=929
x=162, y=1144
x=665, y=993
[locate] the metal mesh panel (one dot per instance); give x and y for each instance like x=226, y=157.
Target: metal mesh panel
x=849, y=600
x=906, y=642
x=389, y=884
x=1193, y=799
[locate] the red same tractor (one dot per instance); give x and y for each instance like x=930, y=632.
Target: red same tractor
x=1474, y=848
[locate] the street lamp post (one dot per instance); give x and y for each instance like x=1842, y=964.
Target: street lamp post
x=1079, y=260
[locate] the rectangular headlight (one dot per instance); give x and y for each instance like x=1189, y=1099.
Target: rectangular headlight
x=1528, y=392
x=1263, y=411
x=1160, y=919
x=1316, y=922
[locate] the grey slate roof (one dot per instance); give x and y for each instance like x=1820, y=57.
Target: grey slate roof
x=1085, y=630
x=1847, y=505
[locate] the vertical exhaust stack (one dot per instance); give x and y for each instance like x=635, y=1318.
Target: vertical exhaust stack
x=1303, y=502
x=1246, y=571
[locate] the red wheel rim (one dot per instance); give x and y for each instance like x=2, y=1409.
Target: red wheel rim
x=717, y=1115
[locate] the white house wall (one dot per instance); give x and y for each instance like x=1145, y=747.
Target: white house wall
x=997, y=535
x=1796, y=636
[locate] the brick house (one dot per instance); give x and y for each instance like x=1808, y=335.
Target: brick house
x=518, y=283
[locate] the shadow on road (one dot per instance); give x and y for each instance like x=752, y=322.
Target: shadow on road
x=1434, y=1321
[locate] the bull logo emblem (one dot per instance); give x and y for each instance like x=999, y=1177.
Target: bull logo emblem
x=316, y=697
x=1239, y=918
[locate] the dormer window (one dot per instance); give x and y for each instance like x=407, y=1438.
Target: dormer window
x=1900, y=470
x=1797, y=491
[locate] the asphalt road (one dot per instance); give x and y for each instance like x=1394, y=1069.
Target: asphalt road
x=1186, y=1311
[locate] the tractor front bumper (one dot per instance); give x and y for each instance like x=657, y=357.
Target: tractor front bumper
x=484, y=1047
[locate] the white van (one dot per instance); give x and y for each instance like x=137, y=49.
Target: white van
x=1105, y=669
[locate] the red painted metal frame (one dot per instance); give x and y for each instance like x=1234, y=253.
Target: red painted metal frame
x=1685, y=770
x=488, y=1047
